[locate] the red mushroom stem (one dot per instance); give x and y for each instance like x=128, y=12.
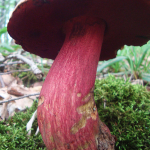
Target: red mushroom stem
x=67, y=114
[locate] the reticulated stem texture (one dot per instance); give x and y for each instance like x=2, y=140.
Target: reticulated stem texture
x=67, y=114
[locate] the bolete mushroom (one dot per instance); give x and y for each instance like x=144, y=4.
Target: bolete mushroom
x=77, y=32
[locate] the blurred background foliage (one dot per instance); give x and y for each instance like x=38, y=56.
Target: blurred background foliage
x=130, y=61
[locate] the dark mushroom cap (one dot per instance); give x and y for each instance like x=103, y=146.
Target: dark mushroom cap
x=37, y=25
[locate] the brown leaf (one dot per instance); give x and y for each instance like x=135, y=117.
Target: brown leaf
x=20, y=90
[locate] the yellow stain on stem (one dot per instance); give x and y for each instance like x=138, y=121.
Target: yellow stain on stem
x=48, y=125
x=85, y=146
x=41, y=100
x=78, y=94
x=51, y=139
x=88, y=110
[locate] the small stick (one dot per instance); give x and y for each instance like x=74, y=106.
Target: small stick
x=11, y=63
x=124, y=76
x=34, y=68
x=105, y=103
x=2, y=82
x=131, y=77
x=19, y=98
x=15, y=71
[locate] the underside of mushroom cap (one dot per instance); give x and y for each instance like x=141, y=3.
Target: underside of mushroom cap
x=37, y=25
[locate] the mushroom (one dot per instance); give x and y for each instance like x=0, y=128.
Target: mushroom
x=77, y=32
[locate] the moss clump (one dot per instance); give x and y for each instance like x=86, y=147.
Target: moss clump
x=13, y=134
x=127, y=112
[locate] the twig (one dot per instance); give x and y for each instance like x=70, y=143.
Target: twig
x=19, y=98
x=11, y=63
x=15, y=71
x=1, y=58
x=34, y=68
x=105, y=103
x=2, y=82
x=124, y=76
x=101, y=75
x=131, y=77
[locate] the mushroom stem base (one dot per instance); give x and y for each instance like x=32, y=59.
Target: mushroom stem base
x=67, y=114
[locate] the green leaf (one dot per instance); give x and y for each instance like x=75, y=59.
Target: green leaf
x=110, y=62
x=6, y=47
x=142, y=58
x=3, y=30
x=146, y=77
x=135, y=57
x=16, y=47
x=2, y=7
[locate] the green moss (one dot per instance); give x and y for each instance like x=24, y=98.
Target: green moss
x=13, y=133
x=127, y=112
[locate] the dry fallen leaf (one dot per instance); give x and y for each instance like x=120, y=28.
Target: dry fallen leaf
x=13, y=91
